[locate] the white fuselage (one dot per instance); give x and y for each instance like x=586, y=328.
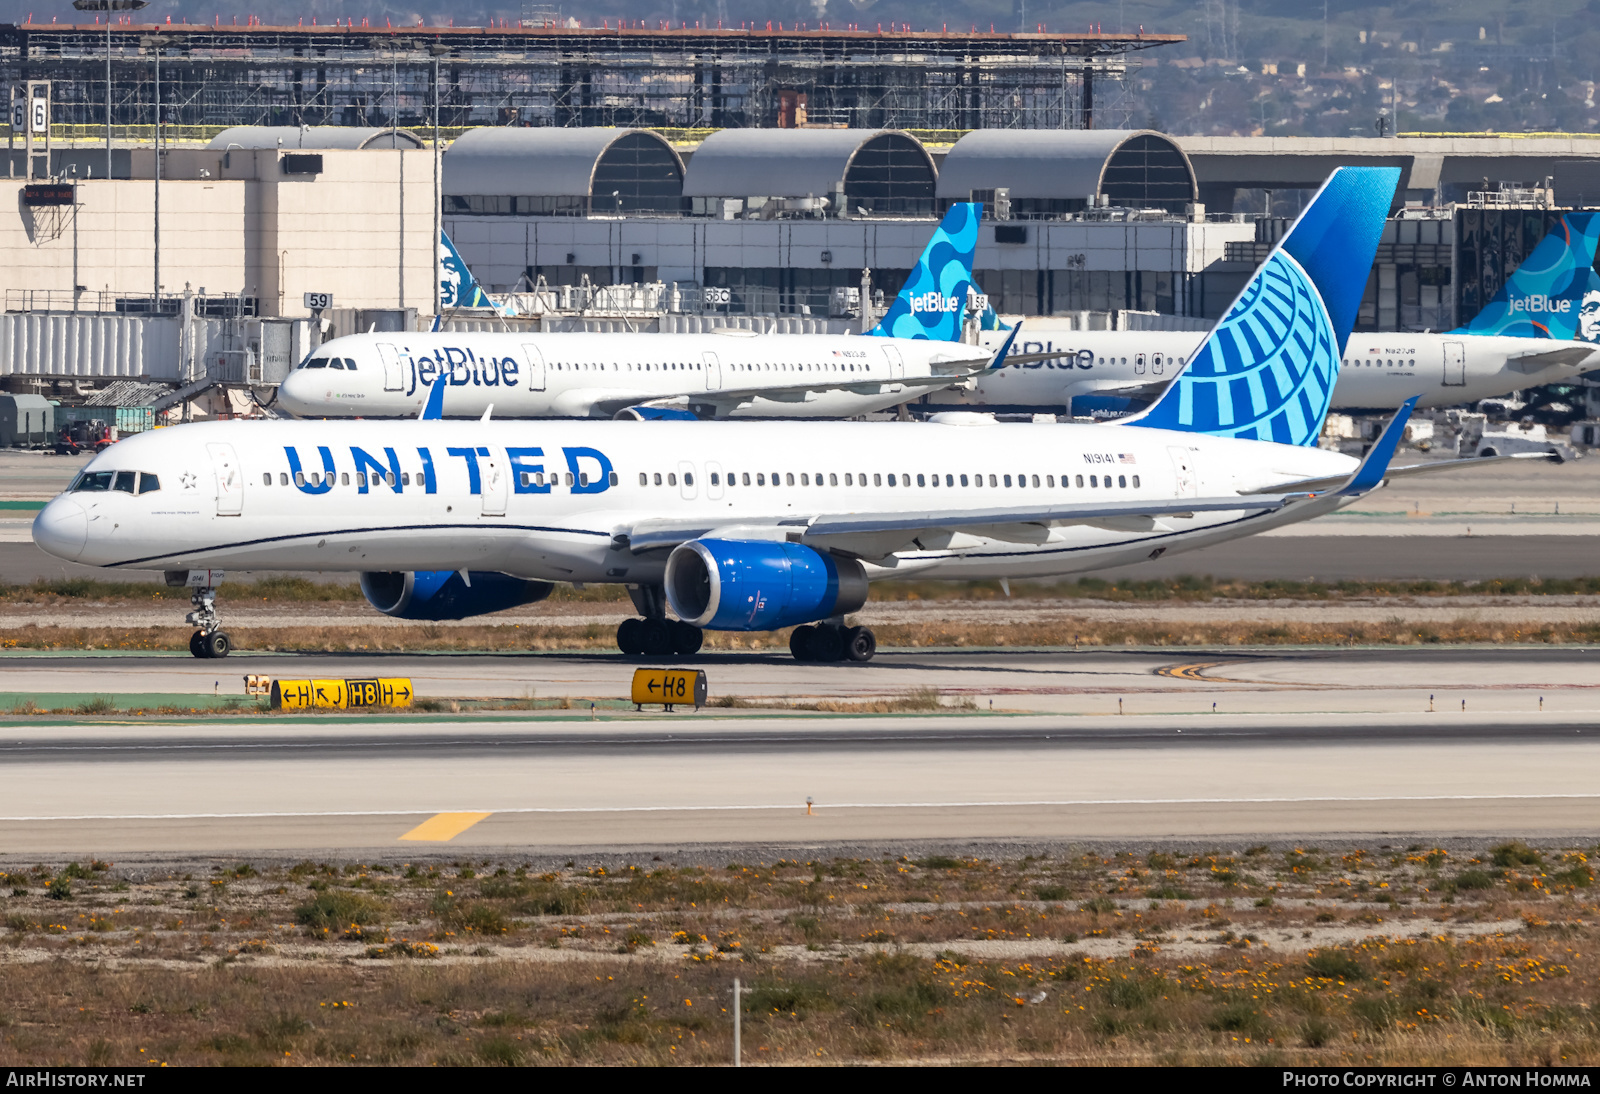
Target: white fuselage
x=1378, y=373
x=538, y=375
x=556, y=500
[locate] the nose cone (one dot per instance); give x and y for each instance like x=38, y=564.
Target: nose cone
x=61, y=529
x=301, y=393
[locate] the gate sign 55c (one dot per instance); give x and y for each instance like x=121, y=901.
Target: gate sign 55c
x=669, y=687
x=341, y=694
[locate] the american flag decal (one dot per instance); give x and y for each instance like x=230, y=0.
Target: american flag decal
x=1126, y=457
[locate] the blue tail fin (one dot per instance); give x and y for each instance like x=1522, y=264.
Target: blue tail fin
x=1544, y=297
x=933, y=304
x=457, y=287
x=1266, y=371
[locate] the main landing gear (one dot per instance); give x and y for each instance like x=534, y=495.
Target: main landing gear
x=210, y=641
x=832, y=642
x=655, y=635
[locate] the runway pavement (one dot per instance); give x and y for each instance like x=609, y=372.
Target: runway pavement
x=1313, y=744
x=265, y=788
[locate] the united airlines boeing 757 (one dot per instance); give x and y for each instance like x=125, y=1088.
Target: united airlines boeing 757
x=759, y=526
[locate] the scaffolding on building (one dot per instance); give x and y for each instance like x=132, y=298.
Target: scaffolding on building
x=559, y=75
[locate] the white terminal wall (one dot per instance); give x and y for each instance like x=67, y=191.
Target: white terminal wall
x=241, y=227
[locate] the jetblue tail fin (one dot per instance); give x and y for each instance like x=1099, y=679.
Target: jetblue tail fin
x=1545, y=295
x=933, y=304
x=1266, y=371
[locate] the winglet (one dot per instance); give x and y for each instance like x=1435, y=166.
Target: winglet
x=433, y=409
x=1376, y=464
x=1005, y=348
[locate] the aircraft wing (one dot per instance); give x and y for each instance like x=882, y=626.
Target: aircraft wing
x=874, y=537
x=796, y=393
x=1410, y=470
x=1567, y=356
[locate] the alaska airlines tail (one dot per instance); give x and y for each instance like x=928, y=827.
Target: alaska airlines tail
x=457, y=287
x=1266, y=371
x=933, y=304
x=1543, y=298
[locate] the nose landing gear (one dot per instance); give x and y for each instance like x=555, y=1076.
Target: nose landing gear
x=210, y=641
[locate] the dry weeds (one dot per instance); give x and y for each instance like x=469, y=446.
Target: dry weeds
x=1066, y=632
x=1337, y=955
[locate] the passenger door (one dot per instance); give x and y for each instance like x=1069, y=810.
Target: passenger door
x=897, y=366
x=535, y=366
x=1455, y=364
x=1183, y=468
x=713, y=372
x=686, y=483
x=230, y=480
x=394, y=376
x=496, y=484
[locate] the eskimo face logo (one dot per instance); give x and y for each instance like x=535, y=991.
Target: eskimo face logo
x=1538, y=302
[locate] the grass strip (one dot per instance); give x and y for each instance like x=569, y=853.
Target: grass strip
x=594, y=637
x=290, y=589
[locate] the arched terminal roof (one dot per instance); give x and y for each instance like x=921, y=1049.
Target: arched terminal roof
x=883, y=166
x=638, y=166
x=313, y=136
x=1139, y=168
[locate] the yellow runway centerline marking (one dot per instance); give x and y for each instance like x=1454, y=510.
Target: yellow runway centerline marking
x=444, y=826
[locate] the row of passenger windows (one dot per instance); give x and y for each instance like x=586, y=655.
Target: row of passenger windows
x=347, y=363
x=787, y=478
x=313, y=478
x=129, y=482
x=1380, y=362
x=695, y=366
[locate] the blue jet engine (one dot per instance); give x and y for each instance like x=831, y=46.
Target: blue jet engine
x=746, y=585
x=442, y=594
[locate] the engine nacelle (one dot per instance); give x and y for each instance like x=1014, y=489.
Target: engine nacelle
x=655, y=414
x=752, y=585
x=442, y=594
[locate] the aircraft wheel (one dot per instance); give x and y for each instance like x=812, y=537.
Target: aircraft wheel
x=216, y=644
x=657, y=638
x=630, y=637
x=826, y=644
x=194, y=644
x=686, y=638
x=800, y=643
x=859, y=644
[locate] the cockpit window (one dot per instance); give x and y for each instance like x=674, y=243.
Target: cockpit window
x=129, y=482
x=336, y=362
x=94, y=480
x=350, y=363
x=316, y=362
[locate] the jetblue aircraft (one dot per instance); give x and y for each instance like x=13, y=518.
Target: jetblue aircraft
x=1543, y=327
x=759, y=526
x=726, y=373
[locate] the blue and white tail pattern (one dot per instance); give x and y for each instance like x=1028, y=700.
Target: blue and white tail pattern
x=933, y=304
x=1555, y=293
x=1266, y=372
